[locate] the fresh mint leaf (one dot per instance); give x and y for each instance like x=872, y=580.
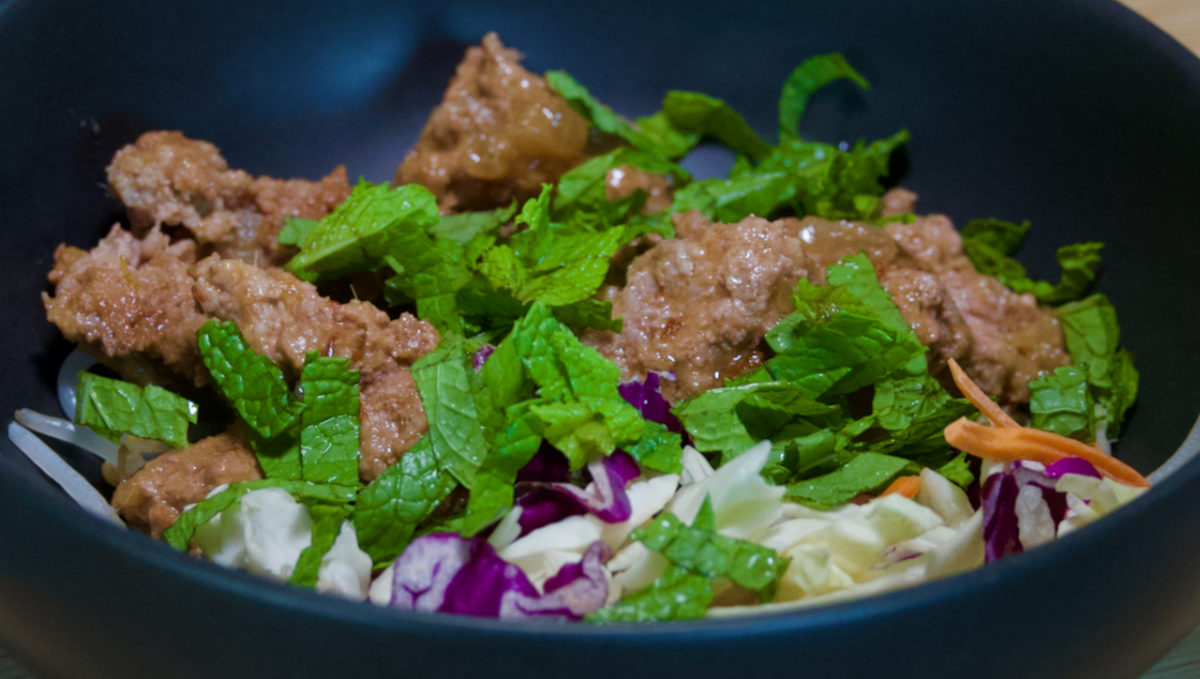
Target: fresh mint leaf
x=589, y=313
x=326, y=524
x=811, y=75
x=582, y=193
x=668, y=141
x=659, y=142
x=708, y=553
x=462, y=228
x=389, y=509
x=113, y=407
x=1093, y=338
x=913, y=410
x=835, y=343
x=658, y=449
x=361, y=232
x=864, y=473
x=580, y=411
x=1003, y=236
x=1061, y=402
x=295, y=229
x=706, y=116
x=677, y=594
x=329, y=425
x=278, y=456
x=455, y=436
x=252, y=384
x=990, y=243
x=179, y=534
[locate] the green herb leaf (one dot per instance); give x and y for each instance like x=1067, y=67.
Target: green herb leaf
x=811, y=75
x=466, y=226
x=455, y=435
x=707, y=116
x=360, y=232
x=252, y=384
x=327, y=522
x=1061, y=402
x=113, y=407
x=179, y=534
x=659, y=449
x=329, y=426
x=677, y=594
x=864, y=473
x=390, y=508
x=1093, y=338
x=712, y=555
x=579, y=409
x=659, y=141
x=295, y=229
x=989, y=244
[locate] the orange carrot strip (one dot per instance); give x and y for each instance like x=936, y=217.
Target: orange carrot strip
x=904, y=485
x=1010, y=444
x=979, y=399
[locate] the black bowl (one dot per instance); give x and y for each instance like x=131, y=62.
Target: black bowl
x=1077, y=115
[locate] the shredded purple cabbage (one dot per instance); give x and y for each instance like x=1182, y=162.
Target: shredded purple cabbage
x=447, y=573
x=1071, y=465
x=1001, y=533
x=543, y=503
x=648, y=399
x=1001, y=525
x=481, y=356
x=575, y=591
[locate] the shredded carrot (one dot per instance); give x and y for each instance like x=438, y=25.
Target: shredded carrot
x=904, y=485
x=1010, y=444
x=979, y=399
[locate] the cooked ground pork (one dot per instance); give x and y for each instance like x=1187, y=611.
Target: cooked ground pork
x=700, y=304
x=622, y=182
x=154, y=497
x=140, y=303
x=499, y=133
x=130, y=303
x=164, y=178
x=284, y=318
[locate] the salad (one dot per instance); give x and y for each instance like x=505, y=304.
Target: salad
x=545, y=372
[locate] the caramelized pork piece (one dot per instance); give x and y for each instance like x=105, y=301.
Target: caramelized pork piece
x=154, y=497
x=284, y=318
x=140, y=302
x=130, y=302
x=499, y=133
x=700, y=304
x=622, y=182
x=164, y=178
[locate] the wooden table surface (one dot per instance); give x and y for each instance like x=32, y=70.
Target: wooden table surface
x=1181, y=19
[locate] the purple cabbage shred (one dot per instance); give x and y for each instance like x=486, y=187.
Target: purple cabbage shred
x=481, y=356
x=1071, y=465
x=1001, y=526
x=447, y=573
x=648, y=399
x=546, y=502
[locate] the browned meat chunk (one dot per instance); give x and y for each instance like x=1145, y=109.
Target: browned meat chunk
x=154, y=497
x=130, y=302
x=700, y=304
x=622, y=182
x=284, y=318
x=140, y=303
x=167, y=179
x=499, y=133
